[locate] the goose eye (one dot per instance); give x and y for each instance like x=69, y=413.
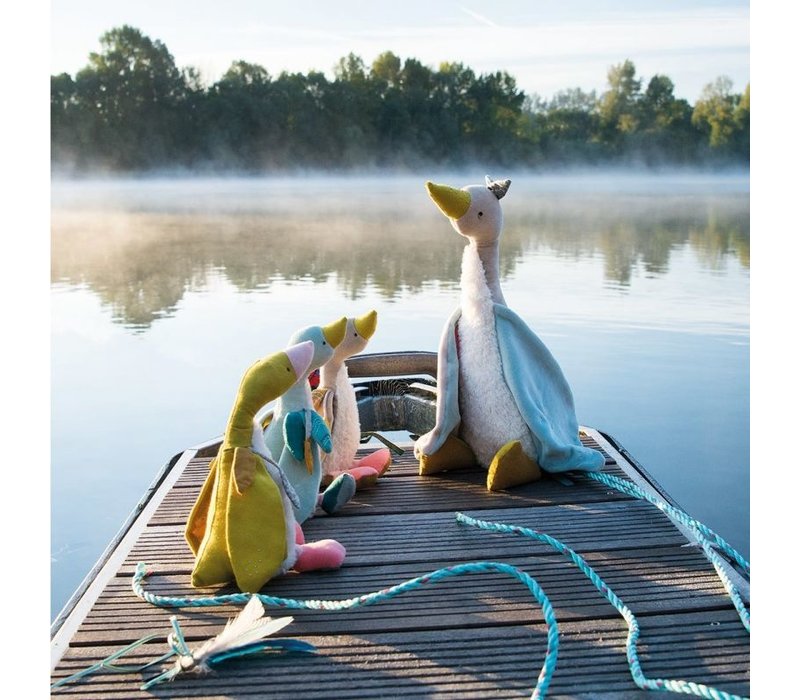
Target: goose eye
x=355, y=335
x=480, y=213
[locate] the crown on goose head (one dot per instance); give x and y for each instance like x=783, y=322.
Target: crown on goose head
x=498, y=187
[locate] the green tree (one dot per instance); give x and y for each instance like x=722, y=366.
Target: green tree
x=351, y=110
x=567, y=125
x=714, y=112
x=741, y=118
x=350, y=69
x=495, y=120
x=134, y=89
x=64, y=119
x=665, y=127
x=386, y=69
x=617, y=107
x=243, y=127
x=242, y=74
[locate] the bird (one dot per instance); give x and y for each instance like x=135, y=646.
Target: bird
x=295, y=433
x=503, y=401
x=335, y=400
x=242, y=526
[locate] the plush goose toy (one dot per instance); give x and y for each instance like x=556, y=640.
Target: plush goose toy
x=242, y=527
x=296, y=433
x=335, y=400
x=503, y=401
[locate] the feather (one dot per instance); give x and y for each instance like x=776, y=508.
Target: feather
x=247, y=627
x=243, y=636
x=278, y=645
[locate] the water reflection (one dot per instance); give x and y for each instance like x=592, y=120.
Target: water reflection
x=141, y=254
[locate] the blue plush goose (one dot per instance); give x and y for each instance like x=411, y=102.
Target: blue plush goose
x=296, y=433
x=503, y=401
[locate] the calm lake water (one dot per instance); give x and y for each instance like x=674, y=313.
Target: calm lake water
x=164, y=291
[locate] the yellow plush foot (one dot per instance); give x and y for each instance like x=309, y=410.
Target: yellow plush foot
x=455, y=453
x=511, y=467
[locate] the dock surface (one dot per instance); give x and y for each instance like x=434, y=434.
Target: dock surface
x=472, y=636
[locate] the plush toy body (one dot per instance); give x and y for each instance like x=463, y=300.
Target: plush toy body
x=503, y=401
x=296, y=432
x=335, y=400
x=242, y=527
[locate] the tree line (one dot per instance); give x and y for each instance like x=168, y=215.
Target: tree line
x=133, y=109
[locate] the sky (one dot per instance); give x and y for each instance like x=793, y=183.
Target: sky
x=546, y=45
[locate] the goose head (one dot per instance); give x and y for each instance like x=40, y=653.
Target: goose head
x=325, y=339
x=474, y=211
x=263, y=382
x=357, y=334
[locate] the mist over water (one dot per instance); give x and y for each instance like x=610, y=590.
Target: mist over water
x=164, y=290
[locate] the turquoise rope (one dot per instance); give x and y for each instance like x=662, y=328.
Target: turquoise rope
x=108, y=664
x=675, y=686
x=179, y=647
x=700, y=532
x=675, y=513
x=551, y=655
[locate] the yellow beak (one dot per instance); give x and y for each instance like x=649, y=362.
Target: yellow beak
x=334, y=332
x=453, y=203
x=366, y=324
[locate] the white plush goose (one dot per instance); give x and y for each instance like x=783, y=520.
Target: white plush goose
x=335, y=400
x=503, y=401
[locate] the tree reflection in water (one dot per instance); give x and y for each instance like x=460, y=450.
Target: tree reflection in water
x=140, y=248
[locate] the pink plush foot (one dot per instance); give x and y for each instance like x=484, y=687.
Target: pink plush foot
x=325, y=554
x=299, y=537
x=380, y=460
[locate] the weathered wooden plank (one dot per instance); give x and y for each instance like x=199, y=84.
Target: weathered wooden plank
x=649, y=581
x=459, y=491
x=380, y=539
x=403, y=465
x=704, y=647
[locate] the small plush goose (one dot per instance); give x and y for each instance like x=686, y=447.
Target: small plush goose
x=503, y=401
x=242, y=526
x=296, y=432
x=335, y=400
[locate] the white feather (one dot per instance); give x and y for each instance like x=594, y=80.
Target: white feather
x=247, y=627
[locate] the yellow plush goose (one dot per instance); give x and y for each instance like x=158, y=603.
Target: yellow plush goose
x=242, y=527
x=503, y=401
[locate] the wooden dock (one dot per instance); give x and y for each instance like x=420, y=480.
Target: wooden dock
x=469, y=636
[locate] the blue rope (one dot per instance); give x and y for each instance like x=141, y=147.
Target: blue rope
x=108, y=664
x=675, y=513
x=701, y=533
x=675, y=686
x=551, y=655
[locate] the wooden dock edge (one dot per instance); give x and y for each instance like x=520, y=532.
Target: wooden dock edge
x=636, y=473
x=74, y=612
